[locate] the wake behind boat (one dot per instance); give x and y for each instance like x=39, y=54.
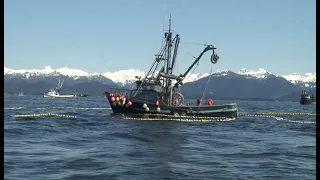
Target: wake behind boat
x=158, y=92
x=55, y=93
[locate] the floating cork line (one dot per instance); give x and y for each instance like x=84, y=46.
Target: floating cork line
x=43, y=115
x=292, y=121
x=168, y=118
x=279, y=118
x=68, y=107
x=61, y=107
x=279, y=113
x=172, y=117
x=208, y=119
x=100, y=108
x=164, y=117
x=180, y=119
x=13, y=108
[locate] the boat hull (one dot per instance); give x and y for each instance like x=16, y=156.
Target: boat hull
x=223, y=110
x=58, y=96
x=304, y=101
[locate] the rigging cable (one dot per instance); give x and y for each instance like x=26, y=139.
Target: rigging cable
x=205, y=89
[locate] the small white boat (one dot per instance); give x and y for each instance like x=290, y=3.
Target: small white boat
x=55, y=93
x=21, y=93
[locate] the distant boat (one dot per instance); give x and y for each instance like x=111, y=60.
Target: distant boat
x=305, y=98
x=55, y=93
x=21, y=93
x=83, y=95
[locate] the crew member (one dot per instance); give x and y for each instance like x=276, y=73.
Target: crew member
x=210, y=102
x=199, y=101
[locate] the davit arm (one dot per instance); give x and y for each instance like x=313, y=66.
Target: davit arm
x=214, y=59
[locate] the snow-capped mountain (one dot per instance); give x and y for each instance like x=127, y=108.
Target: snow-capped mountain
x=197, y=76
x=245, y=84
x=307, y=78
x=260, y=73
x=123, y=77
x=47, y=70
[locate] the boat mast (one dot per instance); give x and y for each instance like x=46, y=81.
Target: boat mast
x=169, y=62
x=166, y=57
x=168, y=70
x=169, y=44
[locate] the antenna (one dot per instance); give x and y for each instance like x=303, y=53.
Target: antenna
x=170, y=23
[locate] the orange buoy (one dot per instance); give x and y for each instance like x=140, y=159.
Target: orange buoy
x=112, y=99
x=129, y=103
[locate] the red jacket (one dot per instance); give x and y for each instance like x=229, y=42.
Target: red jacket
x=199, y=102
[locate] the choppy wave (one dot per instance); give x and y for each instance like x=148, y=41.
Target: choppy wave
x=96, y=146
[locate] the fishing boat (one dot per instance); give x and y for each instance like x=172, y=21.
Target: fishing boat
x=83, y=95
x=305, y=98
x=158, y=92
x=21, y=93
x=55, y=93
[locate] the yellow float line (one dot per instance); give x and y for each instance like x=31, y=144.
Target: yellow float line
x=62, y=107
x=11, y=108
x=183, y=120
x=43, y=115
x=281, y=119
x=70, y=108
x=172, y=116
x=239, y=113
x=279, y=113
x=164, y=117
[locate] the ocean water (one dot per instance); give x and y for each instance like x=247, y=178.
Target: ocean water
x=96, y=146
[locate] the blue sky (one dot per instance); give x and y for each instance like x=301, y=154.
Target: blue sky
x=110, y=35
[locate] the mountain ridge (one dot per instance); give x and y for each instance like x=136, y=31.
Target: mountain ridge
x=123, y=77
x=224, y=84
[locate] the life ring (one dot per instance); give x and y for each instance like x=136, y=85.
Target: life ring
x=214, y=58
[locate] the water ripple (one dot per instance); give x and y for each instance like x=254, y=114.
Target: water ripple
x=96, y=146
